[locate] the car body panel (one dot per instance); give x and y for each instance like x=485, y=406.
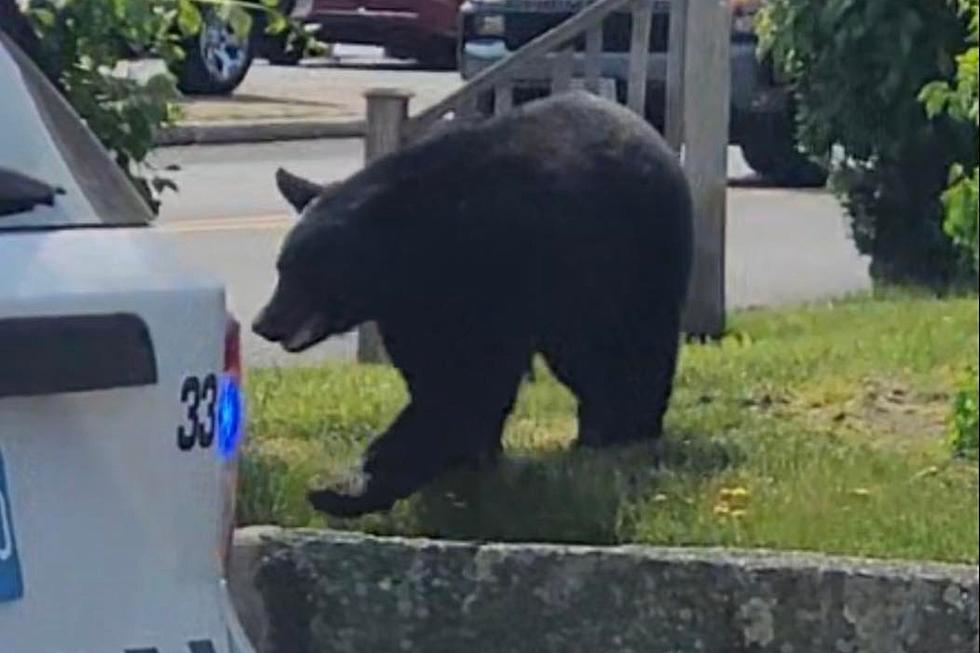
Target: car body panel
x=400, y=24
x=115, y=522
x=108, y=510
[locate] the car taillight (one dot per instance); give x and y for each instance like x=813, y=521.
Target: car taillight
x=231, y=427
x=233, y=348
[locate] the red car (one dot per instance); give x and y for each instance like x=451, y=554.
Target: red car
x=424, y=30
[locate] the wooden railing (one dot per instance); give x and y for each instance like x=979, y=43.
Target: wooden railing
x=499, y=78
x=697, y=114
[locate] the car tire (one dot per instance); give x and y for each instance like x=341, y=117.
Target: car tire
x=216, y=61
x=770, y=148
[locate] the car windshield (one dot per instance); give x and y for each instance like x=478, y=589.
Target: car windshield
x=53, y=172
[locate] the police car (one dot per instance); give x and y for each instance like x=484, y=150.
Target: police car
x=120, y=414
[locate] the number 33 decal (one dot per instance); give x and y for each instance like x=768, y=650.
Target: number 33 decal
x=199, y=396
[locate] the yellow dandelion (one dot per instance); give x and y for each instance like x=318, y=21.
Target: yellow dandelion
x=861, y=492
x=738, y=514
x=739, y=493
x=721, y=510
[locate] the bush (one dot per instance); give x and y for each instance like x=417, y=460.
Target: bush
x=965, y=421
x=857, y=68
x=959, y=100
x=80, y=44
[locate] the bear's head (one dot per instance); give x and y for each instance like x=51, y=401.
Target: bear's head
x=319, y=290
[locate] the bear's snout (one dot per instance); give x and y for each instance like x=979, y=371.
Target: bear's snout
x=293, y=326
x=264, y=327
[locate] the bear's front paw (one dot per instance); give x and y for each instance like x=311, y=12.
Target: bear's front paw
x=343, y=505
x=351, y=497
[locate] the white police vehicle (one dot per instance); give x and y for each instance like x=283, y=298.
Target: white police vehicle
x=120, y=413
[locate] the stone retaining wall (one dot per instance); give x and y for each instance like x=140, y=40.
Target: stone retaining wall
x=326, y=592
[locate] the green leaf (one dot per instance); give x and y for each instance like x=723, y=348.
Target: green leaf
x=43, y=17
x=934, y=95
x=188, y=18
x=276, y=23
x=240, y=21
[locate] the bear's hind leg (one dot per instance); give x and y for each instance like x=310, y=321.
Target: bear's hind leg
x=623, y=386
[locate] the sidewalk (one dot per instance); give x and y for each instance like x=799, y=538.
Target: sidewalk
x=317, y=99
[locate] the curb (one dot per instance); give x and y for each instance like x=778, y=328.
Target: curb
x=228, y=133
x=437, y=595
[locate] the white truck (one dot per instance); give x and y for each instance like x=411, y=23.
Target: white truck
x=120, y=407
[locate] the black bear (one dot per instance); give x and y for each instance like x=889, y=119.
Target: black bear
x=561, y=228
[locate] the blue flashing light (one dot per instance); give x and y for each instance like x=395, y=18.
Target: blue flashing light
x=230, y=412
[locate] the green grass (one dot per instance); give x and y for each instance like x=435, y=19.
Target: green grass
x=820, y=427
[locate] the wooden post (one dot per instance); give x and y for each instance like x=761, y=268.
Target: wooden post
x=607, y=87
x=468, y=108
x=562, y=71
x=707, y=88
x=677, y=39
x=503, y=98
x=642, y=15
x=387, y=112
x=593, y=51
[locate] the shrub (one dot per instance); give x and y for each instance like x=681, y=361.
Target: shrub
x=959, y=100
x=857, y=68
x=965, y=422
x=81, y=43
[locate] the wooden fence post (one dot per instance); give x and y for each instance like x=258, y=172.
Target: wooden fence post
x=707, y=88
x=593, y=51
x=387, y=112
x=636, y=91
x=677, y=40
x=562, y=70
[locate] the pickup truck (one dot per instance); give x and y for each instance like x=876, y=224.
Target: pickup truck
x=762, y=114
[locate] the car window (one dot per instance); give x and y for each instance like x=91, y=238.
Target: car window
x=43, y=144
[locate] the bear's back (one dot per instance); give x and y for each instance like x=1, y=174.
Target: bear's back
x=573, y=180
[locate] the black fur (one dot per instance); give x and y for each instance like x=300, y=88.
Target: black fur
x=562, y=228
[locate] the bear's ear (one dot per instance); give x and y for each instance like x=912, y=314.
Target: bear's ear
x=298, y=191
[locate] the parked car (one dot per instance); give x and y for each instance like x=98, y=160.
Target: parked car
x=217, y=59
x=762, y=114
x=424, y=30
x=120, y=408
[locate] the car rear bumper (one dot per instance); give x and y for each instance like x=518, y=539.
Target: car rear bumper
x=115, y=523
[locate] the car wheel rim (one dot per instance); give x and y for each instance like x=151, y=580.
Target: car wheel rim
x=224, y=53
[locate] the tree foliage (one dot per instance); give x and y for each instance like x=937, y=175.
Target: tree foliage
x=959, y=100
x=857, y=68
x=82, y=44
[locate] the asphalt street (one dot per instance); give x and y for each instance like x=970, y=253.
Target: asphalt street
x=783, y=246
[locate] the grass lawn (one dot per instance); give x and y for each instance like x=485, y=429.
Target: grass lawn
x=820, y=427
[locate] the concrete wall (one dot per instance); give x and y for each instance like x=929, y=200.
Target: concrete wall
x=325, y=592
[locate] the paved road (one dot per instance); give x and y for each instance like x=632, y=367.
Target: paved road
x=783, y=246
x=318, y=89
